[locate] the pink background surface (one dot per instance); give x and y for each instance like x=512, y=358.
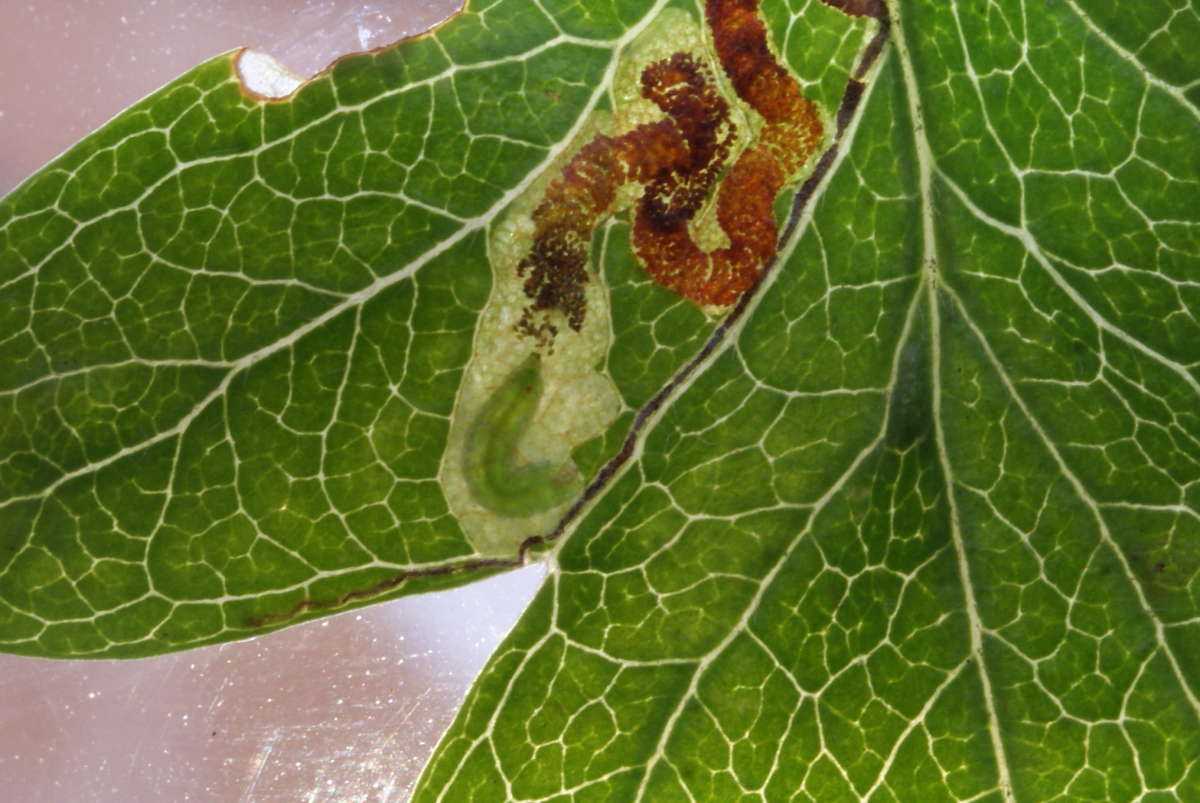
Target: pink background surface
x=344, y=709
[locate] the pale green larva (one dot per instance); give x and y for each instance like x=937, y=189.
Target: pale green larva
x=490, y=468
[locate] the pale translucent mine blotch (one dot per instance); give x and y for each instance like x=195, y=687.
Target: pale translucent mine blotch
x=703, y=150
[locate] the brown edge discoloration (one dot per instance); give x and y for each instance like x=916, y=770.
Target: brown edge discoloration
x=271, y=620
x=850, y=103
x=236, y=61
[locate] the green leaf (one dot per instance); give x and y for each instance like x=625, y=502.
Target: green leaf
x=918, y=521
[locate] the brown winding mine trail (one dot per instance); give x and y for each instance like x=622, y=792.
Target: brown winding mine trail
x=678, y=159
x=669, y=156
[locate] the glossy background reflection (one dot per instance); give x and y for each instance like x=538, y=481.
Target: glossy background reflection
x=346, y=709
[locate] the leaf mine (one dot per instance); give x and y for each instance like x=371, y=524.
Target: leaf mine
x=700, y=151
x=678, y=160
